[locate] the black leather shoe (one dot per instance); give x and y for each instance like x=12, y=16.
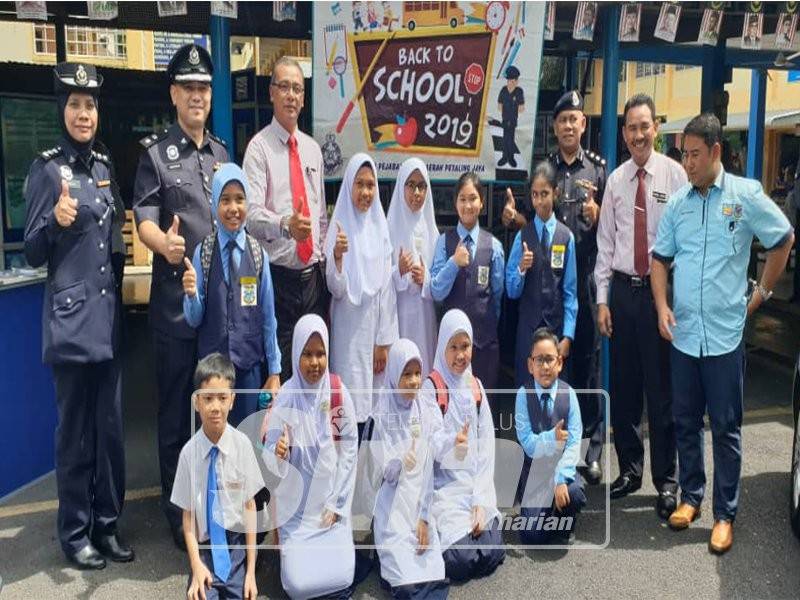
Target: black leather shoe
x=666, y=504
x=113, y=547
x=177, y=537
x=624, y=485
x=88, y=558
x=593, y=473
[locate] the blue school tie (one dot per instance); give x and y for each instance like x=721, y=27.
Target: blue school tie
x=468, y=244
x=545, y=411
x=232, y=269
x=220, y=554
x=545, y=239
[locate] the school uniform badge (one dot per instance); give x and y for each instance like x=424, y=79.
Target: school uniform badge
x=557, y=252
x=172, y=152
x=483, y=276
x=416, y=428
x=66, y=172
x=738, y=211
x=727, y=210
x=248, y=286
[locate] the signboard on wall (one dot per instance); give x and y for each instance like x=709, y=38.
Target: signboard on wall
x=166, y=43
x=453, y=83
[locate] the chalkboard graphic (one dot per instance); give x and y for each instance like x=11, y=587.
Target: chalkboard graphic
x=423, y=92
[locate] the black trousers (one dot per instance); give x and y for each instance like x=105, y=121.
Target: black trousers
x=176, y=360
x=297, y=293
x=486, y=364
x=582, y=370
x=640, y=368
x=90, y=453
x=796, y=273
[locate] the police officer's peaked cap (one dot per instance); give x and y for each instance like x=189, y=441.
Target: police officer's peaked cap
x=572, y=100
x=190, y=63
x=76, y=77
x=512, y=72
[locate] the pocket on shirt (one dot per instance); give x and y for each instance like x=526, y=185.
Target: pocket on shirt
x=176, y=192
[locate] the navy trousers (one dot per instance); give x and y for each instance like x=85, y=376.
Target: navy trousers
x=486, y=364
x=473, y=560
x=714, y=384
x=175, y=360
x=535, y=535
x=246, y=404
x=233, y=587
x=90, y=455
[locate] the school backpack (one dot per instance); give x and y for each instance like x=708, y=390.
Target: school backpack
x=207, y=252
x=443, y=394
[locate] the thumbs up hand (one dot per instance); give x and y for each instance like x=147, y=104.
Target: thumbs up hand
x=462, y=445
x=189, y=279
x=66, y=209
x=461, y=255
x=299, y=226
x=405, y=262
x=526, y=260
x=510, y=209
x=174, y=244
x=410, y=457
x=282, y=447
x=561, y=433
x=341, y=245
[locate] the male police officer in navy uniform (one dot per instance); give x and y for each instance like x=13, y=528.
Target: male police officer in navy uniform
x=71, y=225
x=172, y=206
x=581, y=181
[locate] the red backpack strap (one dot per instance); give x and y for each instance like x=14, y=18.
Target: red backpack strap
x=442, y=395
x=336, y=402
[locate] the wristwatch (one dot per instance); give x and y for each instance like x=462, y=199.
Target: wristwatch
x=764, y=292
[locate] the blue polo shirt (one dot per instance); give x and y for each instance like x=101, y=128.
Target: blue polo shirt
x=708, y=239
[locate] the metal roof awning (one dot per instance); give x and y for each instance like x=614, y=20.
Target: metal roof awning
x=740, y=121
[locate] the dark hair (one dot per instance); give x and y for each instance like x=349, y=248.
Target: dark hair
x=705, y=126
x=543, y=334
x=214, y=365
x=639, y=100
x=366, y=163
x=469, y=177
x=545, y=170
x=675, y=154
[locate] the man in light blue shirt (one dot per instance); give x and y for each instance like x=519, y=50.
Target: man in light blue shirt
x=705, y=234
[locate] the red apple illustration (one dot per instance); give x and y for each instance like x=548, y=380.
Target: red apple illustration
x=405, y=132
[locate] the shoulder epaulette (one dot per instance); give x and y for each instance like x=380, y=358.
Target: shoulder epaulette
x=219, y=140
x=595, y=158
x=51, y=153
x=102, y=157
x=149, y=140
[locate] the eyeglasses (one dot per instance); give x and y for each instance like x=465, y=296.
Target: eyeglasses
x=412, y=187
x=284, y=87
x=544, y=359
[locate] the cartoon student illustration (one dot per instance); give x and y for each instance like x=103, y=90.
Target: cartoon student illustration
x=510, y=102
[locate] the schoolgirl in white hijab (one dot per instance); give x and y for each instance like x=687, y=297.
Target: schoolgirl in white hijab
x=465, y=500
x=358, y=273
x=413, y=231
x=317, y=474
x=405, y=531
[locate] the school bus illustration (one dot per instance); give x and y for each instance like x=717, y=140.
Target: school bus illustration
x=430, y=14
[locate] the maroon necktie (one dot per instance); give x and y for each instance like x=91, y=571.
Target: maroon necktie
x=640, y=258
x=299, y=200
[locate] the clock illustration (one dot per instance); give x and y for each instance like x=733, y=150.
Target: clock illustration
x=495, y=15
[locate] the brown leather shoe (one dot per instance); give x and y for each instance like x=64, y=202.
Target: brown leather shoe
x=683, y=516
x=721, y=537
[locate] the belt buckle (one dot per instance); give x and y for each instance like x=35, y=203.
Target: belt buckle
x=637, y=281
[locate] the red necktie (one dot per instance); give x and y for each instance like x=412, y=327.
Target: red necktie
x=299, y=200
x=640, y=254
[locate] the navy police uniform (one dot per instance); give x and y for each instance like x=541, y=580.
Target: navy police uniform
x=583, y=363
x=174, y=178
x=80, y=324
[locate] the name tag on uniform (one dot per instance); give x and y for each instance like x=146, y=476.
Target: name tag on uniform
x=249, y=295
x=103, y=183
x=416, y=428
x=483, y=276
x=173, y=166
x=727, y=210
x=418, y=245
x=660, y=197
x=737, y=212
x=557, y=256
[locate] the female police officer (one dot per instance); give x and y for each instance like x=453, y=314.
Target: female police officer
x=70, y=226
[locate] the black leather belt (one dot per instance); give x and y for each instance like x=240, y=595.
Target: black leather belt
x=632, y=280
x=295, y=274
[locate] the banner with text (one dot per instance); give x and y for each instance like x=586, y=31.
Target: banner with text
x=454, y=83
